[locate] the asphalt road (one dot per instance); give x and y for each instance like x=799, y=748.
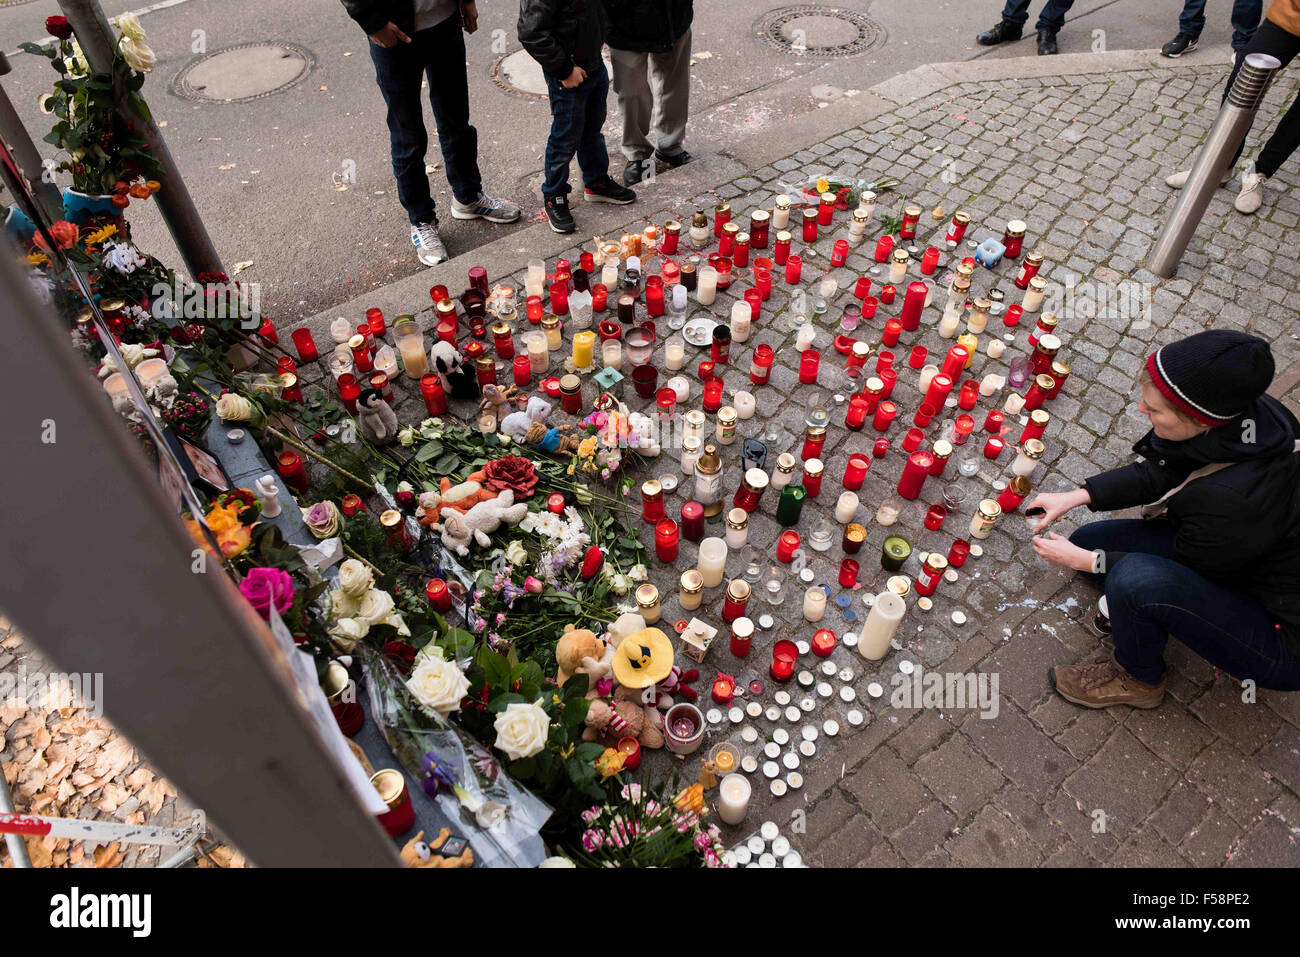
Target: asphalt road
x=270, y=175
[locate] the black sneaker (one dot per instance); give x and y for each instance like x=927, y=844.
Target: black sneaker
x=1003, y=32
x=638, y=171
x=1047, y=43
x=557, y=211
x=680, y=158
x=1179, y=45
x=607, y=191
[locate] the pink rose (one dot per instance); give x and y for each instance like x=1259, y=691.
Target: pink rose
x=264, y=587
x=533, y=585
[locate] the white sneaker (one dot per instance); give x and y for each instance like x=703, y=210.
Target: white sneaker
x=1179, y=180
x=486, y=207
x=428, y=244
x=1251, y=196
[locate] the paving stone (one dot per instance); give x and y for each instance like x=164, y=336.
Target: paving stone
x=1171, y=733
x=931, y=826
x=1122, y=758
x=1248, y=726
x=1021, y=751
x=1212, y=841
x=1238, y=786
x=993, y=840
x=887, y=790
x=958, y=775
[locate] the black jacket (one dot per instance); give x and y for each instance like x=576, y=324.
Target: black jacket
x=561, y=33
x=647, y=26
x=1240, y=526
x=371, y=15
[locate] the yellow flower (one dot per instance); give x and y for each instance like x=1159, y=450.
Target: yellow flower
x=691, y=799
x=37, y=259
x=587, y=448
x=570, y=468
x=610, y=762
x=99, y=235
x=822, y=185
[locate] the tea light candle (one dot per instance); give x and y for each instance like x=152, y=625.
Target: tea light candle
x=887, y=514
x=712, y=561
x=675, y=353
x=846, y=506
x=611, y=353
x=744, y=404
x=681, y=385
x=948, y=324
x=995, y=348
x=814, y=603
x=706, y=286
x=828, y=288
x=733, y=798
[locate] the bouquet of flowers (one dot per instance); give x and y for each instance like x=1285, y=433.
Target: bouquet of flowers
x=650, y=829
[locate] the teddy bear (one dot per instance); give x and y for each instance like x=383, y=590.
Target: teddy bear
x=378, y=420
x=461, y=497
x=459, y=529
x=677, y=683
x=621, y=717
x=529, y=428
x=458, y=380
x=579, y=651
x=497, y=402
x=416, y=853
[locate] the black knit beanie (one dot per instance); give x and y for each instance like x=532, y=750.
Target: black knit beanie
x=1214, y=375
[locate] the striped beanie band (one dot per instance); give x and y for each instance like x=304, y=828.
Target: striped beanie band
x=1214, y=375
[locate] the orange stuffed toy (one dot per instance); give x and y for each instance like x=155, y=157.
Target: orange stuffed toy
x=461, y=497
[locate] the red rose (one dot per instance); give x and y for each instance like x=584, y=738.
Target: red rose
x=512, y=472
x=591, y=562
x=401, y=654
x=58, y=27
x=406, y=501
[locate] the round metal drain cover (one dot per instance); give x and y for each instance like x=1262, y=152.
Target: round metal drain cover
x=520, y=74
x=246, y=72
x=816, y=31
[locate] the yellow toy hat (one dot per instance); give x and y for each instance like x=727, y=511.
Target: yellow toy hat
x=643, y=658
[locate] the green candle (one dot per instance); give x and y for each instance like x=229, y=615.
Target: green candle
x=791, y=504
x=894, y=552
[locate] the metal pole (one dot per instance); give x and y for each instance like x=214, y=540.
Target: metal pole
x=15, y=843
x=26, y=155
x=1229, y=129
x=97, y=41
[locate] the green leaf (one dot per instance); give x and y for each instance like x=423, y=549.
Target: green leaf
x=575, y=713
x=580, y=772
x=589, y=751
x=428, y=452
x=498, y=704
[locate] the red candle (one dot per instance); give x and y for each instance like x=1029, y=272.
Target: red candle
x=879, y=448
x=349, y=391
x=913, y=439
x=823, y=639
x=1015, y=493
x=924, y=415
x=869, y=307
x=375, y=320
x=712, y=394
x=763, y=283
x=724, y=689
x=915, y=470
x=727, y=242
x=435, y=591
x=599, y=297
x=666, y=540
x=742, y=640
x=630, y=748
x=289, y=465
x=937, y=394
x=885, y=413
x=917, y=357
x=533, y=309
x=268, y=334
x=1059, y=372
x=523, y=371
x=733, y=604
x=957, y=554
x=780, y=250
x=787, y=544
x=942, y=451
x=551, y=386
x=305, y=344
x=760, y=367
x=400, y=816
x=993, y=422
x=1038, y=391
x=839, y=253
x=862, y=288
x=888, y=379
x=692, y=526
x=813, y=471
x=446, y=330
x=993, y=447
x=848, y=573
x=884, y=360
x=913, y=303
x=855, y=472
x=705, y=370
x=962, y=428
x=503, y=340
x=955, y=362
x=893, y=329
x=935, y=515
x=809, y=360
x=364, y=332
x=286, y=364
x=887, y=294
x=969, y=395
x=380, y=381
x=856, y=416
x=813, y=442
x=784, y=655
x=555, y=503
x=654, y=296
x=360, y=354
x=350, y=504
x=884, y=247
x=666, y=400
x=560, y=297
x=755, y=300
x=435, y=399
x=929, y=261
x=1036, y=426
x=810, y=225
x=1012, y=315
x=793, y=266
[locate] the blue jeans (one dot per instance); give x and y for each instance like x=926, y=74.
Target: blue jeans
x=1150, y=597
x=437, y=53
x=1052, y=17
x=1245, y=19
x=577, y=116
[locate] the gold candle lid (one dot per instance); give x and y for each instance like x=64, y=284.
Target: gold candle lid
x=742, y=238
x=742, y=628
x=861, y=350
x=1039, y=284
x=1048, y=342
x=874, y=386
x=912, y=210
x=672, y=227
x=501, y=329
x=813, y=467
x=445, y=307
x=961, y=216
x=695, y=418
x=568, y=383
x=334, y=682
x=1044, y=382
x=964, y=269
x=731, y=229
x=738, y=589
x=390, y=784
x=1016, y=227
x=785, y=462
x=942, y=449
x=989, y=508
x=900, y=585
x=647, y=595
x=1047, y=320
x=692, y=581
x=390, y=518
x=737, y=518
x=1034, y=257
x=783, y=201
x=762, y=215
x=1020, y=485
x=900, y=255
x=651, y=488
x=936, y=562
x=727, y=416
x=1041, y=417
x=722, y=208
x=1032, y=449
x=784, y=237
x=691, y=443
x=550, y=322
x=982, y=305
x=1060, y=368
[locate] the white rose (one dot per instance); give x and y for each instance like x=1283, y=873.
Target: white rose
x=620, y=584
x=638, y=573
x=516, y=554
x=395, y=619
x=351, y=629
x=490, y=815
x=234, y=408
x=376, y=606
x=561, y=862
x=137, y=55
x=438, y=685
x=130, y=26
x=355, y=579
x=342, y=605
x=406, y=436
x=522, y=730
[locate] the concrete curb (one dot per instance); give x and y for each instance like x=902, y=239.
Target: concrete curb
x=709, y=170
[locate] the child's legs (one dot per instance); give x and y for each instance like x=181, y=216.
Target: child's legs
x=593, y=157
x=567, y=108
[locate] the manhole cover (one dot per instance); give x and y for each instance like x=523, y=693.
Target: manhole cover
x=245, y=72
x=520, y=74
x=817, y=31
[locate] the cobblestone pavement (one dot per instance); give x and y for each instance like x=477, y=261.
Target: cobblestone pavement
x=1205, y=779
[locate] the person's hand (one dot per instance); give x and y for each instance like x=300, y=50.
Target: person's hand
x=1057, y=504
x=469, y=16
x=574, y=78
x=389, y=36
x=1058, y=550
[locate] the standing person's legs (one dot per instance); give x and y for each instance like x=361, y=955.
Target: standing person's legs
x=671, y=72
x=398, y=71
x=1016, y=11
x=593, y=157
x=635, y=101
x=1245, y=21
x=566, y=131
x=1270, y=39
x=443, y=49
x=1192, y=20
x=1053, y=15
x=1282, y=143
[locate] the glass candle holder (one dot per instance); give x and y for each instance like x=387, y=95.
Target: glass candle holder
x=915, y=470
x=855, y=471
x=848, y=573
x=885, y=413
x=666, y=540
x=913, y=439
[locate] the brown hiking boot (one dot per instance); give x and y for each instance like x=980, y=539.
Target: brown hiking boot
x=1100, y=684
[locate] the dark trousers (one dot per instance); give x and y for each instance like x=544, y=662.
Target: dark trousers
x=1052, y=17
x=1150, y=597
x=437, y=53
x=1273, y=40
x=1245, y=18
x=577, y=116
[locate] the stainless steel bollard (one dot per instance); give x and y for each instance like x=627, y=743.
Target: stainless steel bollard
x=1234, y=119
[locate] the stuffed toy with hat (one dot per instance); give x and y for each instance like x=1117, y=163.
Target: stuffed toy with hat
x=458, y=380
x=642, y=659
x=417, y=853
x=621, y=716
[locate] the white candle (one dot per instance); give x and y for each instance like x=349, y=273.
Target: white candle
x=948, y=324
x=898, y=268
x=829, y=287
x=928, y=372
x=1033, y=300
x=386, y=360
x=713, y=561
x=611, y=353
x=411, y=345
x=706, y=286
x=887, y=514
x=807, y=335
x=781, y=212
x=736, y=537
x=609, y=273
x=867, y=204
x=538, y=357
x=990, y=384
x=681, y=385
x=886, y=613
x=674, y=353
x=814, y=603
x=741, y=316
x=340, y=330
x=115, y=385
x=733, y=798
x=744, y=404
x=995, y=348
x=535, y=278
x=150, y=371
x=1015, y=402
x=846, y=506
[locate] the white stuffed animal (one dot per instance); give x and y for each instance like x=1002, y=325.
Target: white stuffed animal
x=378, y=420
x=516, y=424
x=458, y=530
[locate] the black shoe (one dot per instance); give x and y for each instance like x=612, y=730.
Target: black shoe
x=1003, y=32
x=677, y=159
x=557, y=211
x=1179, y=45
x=1047, y=43
x=638, y=171
x=607, y=191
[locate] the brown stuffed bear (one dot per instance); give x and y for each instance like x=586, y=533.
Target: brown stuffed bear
x=622, y=717
x=416, y=853
x=579, y=651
